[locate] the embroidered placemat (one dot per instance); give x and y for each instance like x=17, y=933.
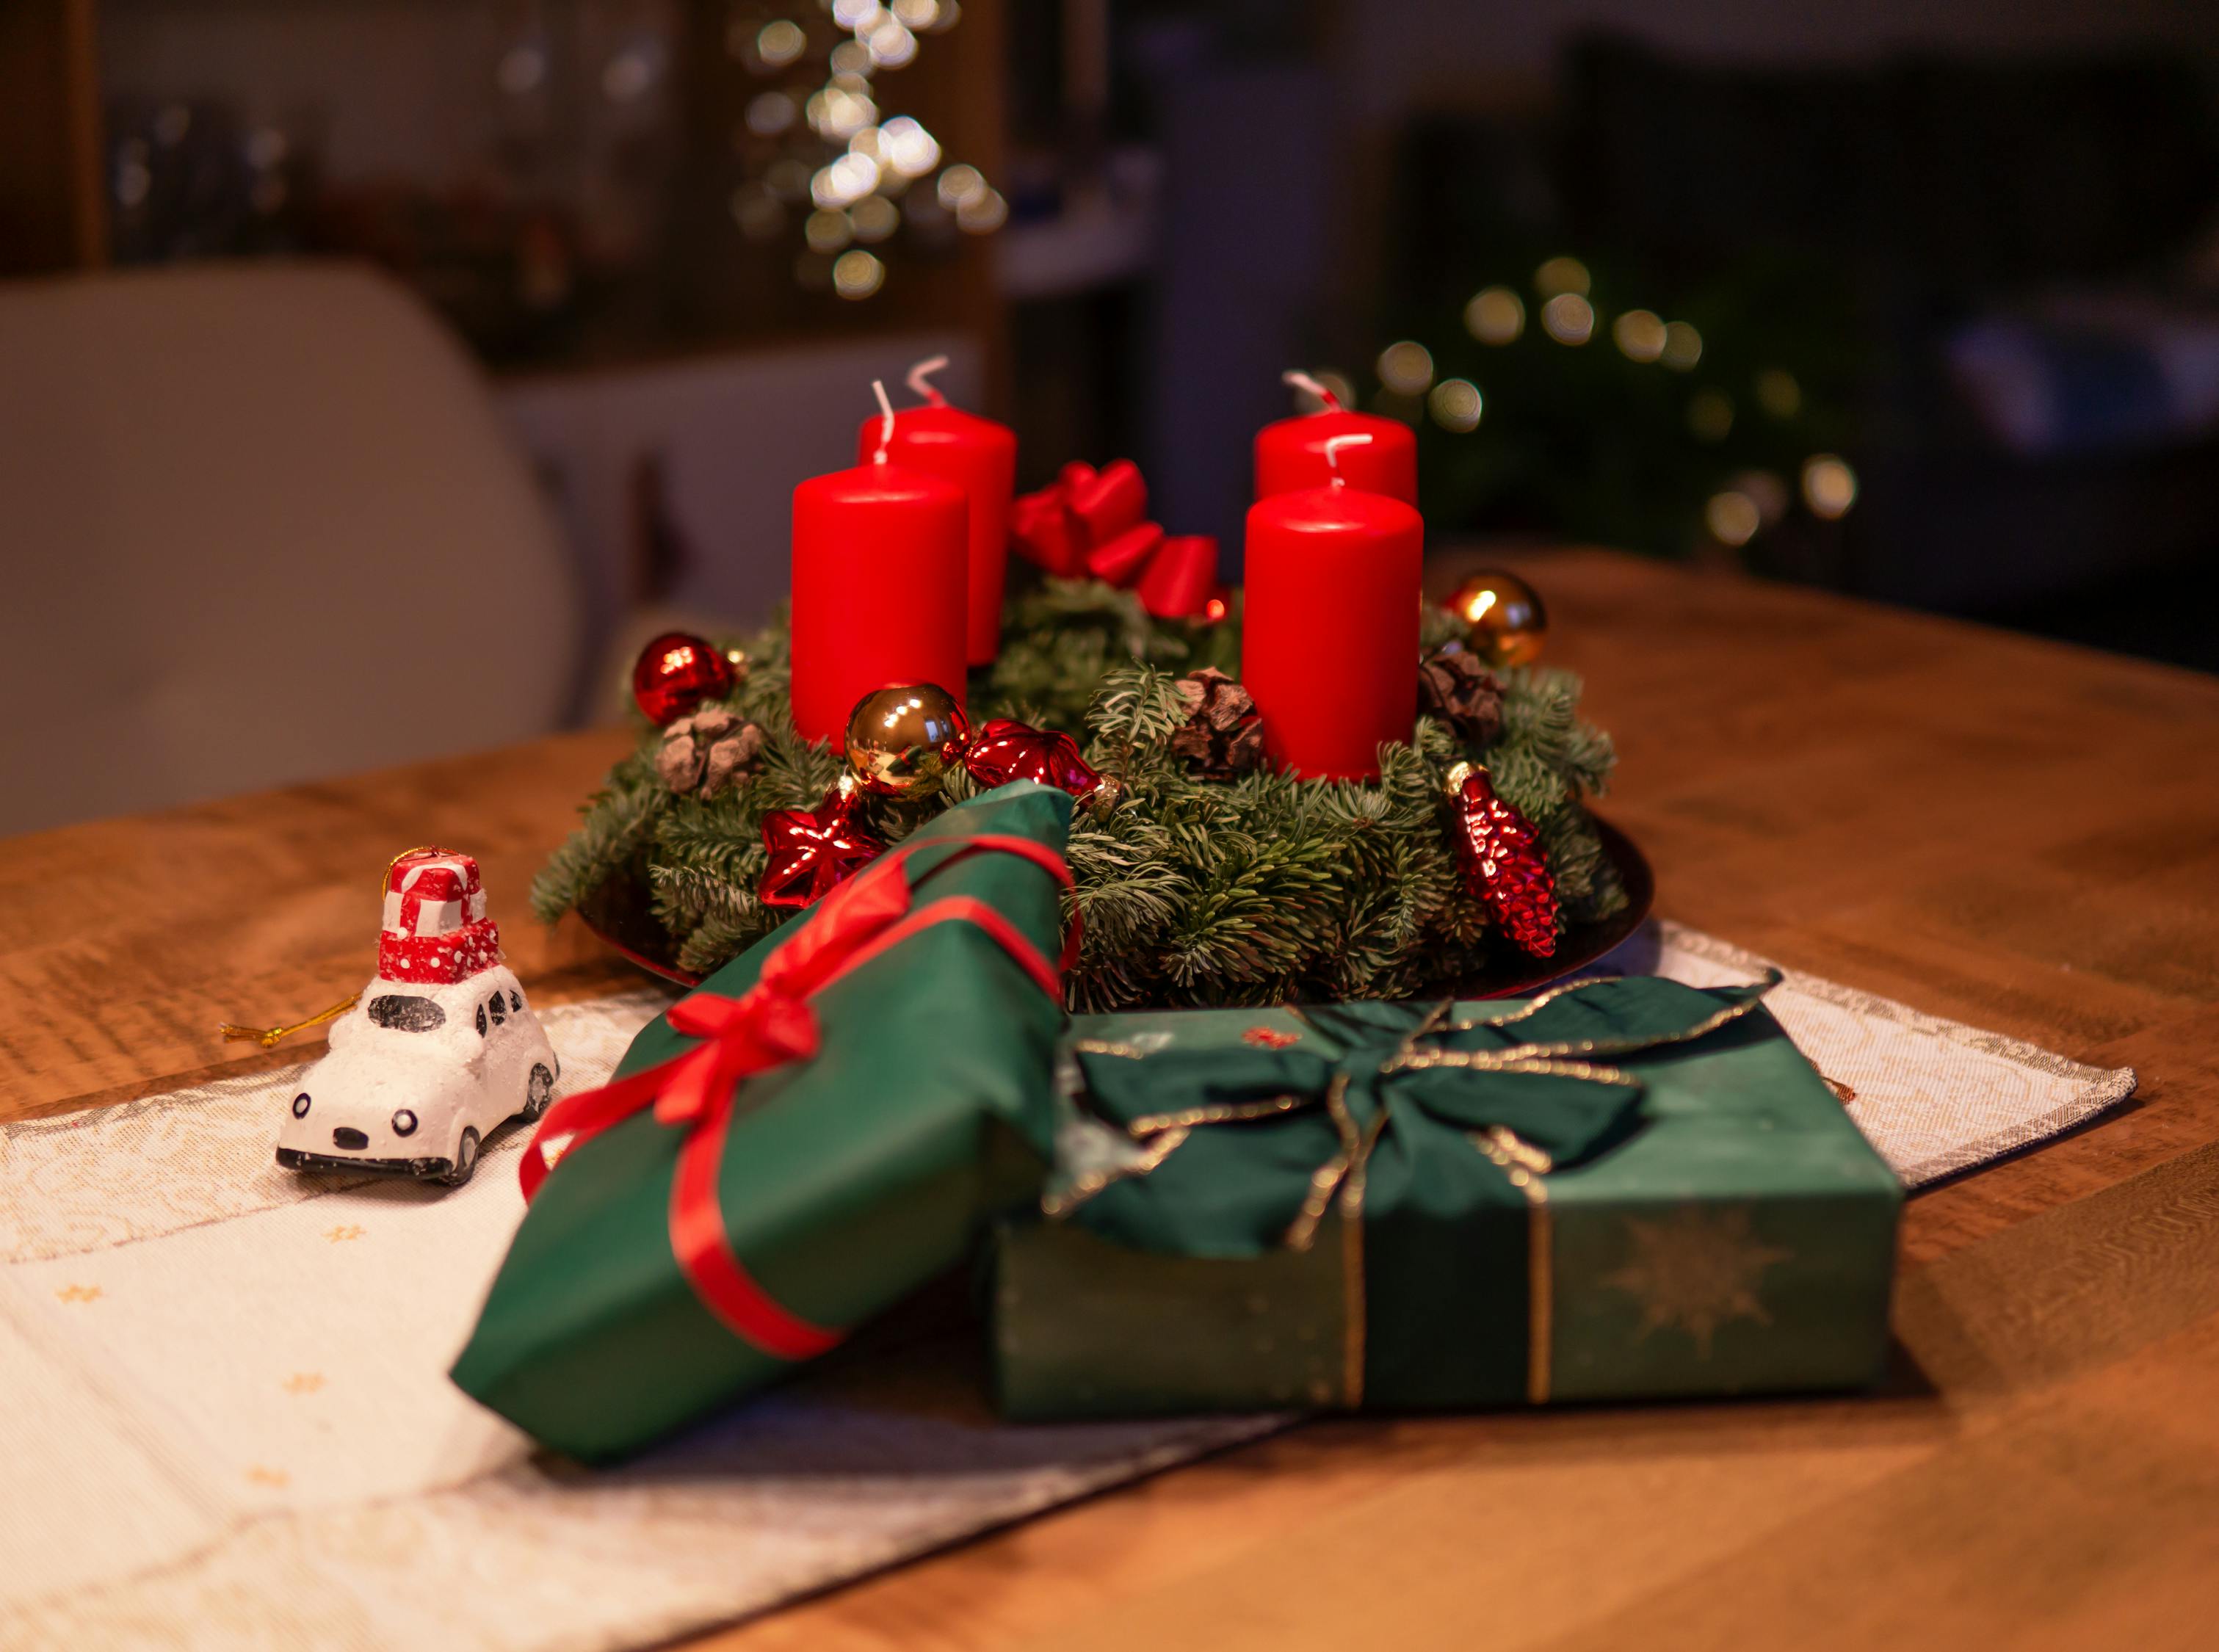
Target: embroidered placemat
x=1935, y=1096
x=224, y=1416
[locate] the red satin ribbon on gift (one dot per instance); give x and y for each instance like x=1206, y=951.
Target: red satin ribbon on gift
x=1091, y=523
x=766, y=1027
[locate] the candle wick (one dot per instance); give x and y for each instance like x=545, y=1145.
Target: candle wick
x=1304, y=381
x=921, y=384
x=1333, y=447
x=887, y=420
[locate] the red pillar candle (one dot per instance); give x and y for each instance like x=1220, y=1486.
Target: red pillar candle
x=1290, y=453
x=1329, y=650
x=980, y=458
x=879, y=554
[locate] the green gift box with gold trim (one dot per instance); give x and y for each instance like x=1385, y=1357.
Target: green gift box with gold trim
x=1623, y=1190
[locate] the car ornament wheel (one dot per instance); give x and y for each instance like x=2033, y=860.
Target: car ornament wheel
x=466, y=1160
x=538, y=1089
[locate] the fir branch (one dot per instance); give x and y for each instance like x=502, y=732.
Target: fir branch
x=618, y=824
x=1137, y=708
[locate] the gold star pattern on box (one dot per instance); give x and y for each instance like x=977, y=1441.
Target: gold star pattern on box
x=1696, y=1272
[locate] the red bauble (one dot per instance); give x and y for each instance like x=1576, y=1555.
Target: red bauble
x=813, y=850
x=1006, y=750
x=675, y=673
x=1502, y=861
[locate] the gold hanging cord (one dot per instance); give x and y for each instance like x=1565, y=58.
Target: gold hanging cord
x=270, y=1037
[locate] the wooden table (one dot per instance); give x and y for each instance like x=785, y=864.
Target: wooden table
x=2015, y=834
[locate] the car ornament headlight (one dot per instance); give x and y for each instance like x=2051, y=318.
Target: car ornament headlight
x=301, y=1105
x=404, y=1123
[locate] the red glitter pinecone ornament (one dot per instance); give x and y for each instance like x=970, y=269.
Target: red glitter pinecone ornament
x=1502, y=862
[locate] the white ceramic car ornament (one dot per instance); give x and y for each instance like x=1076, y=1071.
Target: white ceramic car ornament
x=439, y=1051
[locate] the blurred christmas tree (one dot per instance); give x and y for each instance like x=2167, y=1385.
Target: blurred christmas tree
x=1574, y=399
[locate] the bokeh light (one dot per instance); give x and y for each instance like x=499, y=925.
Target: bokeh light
x=1495, y=315
x=864, y=197
x=1778, y=393
x=1569, y=319
x=770, y=114
x=857, y=274
x=1765, y=491
x=1406, y=367
x=907, y=147
x=522, y=68
x=983, y=214
x=960, y=184
x=780, y=43
x=839, y=114
x=1732, y=518
x=1683, y=345
x=1455, y=405
x=892, y=45
x=1560, y=276
x=1639, y=335
x=827, y=230
x=849, y=179
x=873, y=218
x=1830, y=487
x=631, y=73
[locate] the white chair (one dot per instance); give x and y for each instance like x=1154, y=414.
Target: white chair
x=258, y=523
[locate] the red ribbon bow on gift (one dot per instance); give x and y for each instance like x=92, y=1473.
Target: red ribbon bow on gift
x=766, y=1027
x=1092, y=522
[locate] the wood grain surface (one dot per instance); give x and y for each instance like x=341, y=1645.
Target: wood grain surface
x=2015, y=834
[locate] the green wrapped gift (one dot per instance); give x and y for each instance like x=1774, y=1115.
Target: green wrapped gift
x=826, y=1124
x=1628, y=1189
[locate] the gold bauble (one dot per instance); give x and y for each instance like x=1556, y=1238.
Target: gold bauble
x=902, y=741
x=1506, y=623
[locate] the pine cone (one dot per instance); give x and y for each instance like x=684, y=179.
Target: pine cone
x=704, y=753
x=1454, y=686
x=1224, y=734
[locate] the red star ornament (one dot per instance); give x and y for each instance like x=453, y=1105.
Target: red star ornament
x=812, y=850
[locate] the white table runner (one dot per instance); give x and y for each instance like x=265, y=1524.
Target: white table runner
x=227, y=1419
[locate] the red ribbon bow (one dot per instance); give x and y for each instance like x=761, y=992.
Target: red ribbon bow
x=770, y=1024
x=1092, y=522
